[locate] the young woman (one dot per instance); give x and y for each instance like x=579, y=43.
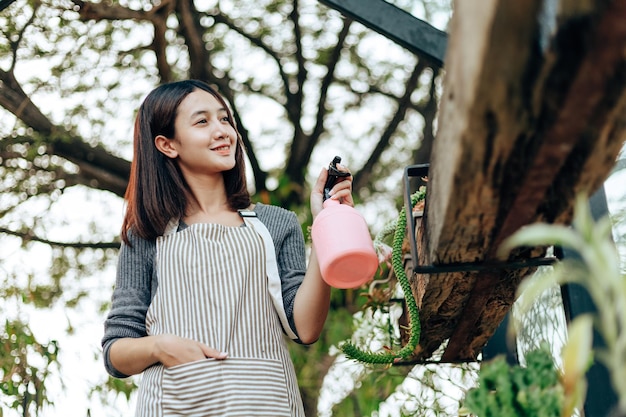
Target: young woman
x=208, y=284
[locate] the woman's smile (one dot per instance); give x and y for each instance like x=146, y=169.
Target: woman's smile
x=222, y=149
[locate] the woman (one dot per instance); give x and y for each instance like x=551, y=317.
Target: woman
x=208, y=283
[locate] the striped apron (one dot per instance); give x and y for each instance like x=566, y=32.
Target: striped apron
x=213, y=287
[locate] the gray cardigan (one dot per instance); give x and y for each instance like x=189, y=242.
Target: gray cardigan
x=137, y=278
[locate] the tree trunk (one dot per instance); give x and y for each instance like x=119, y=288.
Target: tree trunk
x=533, y=112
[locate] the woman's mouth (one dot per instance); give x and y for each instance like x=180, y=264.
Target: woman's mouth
x=224, y=148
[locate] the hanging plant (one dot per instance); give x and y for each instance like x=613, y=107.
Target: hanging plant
x=391, y=356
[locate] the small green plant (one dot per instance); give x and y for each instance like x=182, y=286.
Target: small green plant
x=516, y=391
x=538, y=389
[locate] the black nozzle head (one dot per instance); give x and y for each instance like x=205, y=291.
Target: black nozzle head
x=333, y=175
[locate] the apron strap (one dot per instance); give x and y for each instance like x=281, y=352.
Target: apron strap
x=172, y=227
x=274, y=283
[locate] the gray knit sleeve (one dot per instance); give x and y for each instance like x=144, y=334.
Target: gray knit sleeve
x=289, y=243
x=131, y=296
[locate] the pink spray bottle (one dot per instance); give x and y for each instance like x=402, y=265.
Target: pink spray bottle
x=341, y=240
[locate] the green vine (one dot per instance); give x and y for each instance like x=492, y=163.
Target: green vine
x=350, y=349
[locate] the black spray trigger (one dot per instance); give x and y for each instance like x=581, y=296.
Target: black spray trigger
x=333, y=175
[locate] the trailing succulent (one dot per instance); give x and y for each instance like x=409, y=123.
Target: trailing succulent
x=388, y=357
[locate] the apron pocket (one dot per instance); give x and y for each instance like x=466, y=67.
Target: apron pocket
x=230, y=387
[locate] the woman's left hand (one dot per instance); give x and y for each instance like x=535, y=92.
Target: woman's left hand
x=341, y=191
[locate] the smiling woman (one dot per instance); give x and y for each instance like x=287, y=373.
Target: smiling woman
x=207, y=282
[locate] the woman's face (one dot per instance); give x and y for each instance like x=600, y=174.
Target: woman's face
x=204, y=142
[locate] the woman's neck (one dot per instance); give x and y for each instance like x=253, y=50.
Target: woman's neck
x=208, y=193
x=208, y=202
x=217, y=211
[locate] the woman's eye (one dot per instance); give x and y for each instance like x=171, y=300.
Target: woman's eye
x=201, y=121
x=225, y=119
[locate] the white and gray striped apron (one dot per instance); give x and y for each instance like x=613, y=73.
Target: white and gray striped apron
x=213, y=287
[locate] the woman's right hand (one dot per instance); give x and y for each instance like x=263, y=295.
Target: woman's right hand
x=341, y=191
x=173, y=350
x=131, y=356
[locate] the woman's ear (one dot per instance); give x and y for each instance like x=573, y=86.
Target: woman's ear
x=165, y=146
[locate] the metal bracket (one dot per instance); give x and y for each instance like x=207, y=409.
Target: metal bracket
x=421, y=170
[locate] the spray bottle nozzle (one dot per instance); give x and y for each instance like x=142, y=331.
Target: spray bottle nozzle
x=333, y=175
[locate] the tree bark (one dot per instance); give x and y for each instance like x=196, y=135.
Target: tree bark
x=533, y=112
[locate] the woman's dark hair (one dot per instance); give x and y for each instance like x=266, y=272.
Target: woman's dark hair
x=157, y=190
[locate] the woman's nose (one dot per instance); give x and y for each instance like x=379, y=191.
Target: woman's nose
x=220, y=131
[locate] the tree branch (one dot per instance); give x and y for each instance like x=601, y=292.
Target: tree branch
x=256, y=41
x=16, y=43
x=295, y=100
x=374, y=89
x=159, y=45
x=191, y=31
x=110, y=172
x=421, y=155
x=15, y=100
x=297, y=31
x=362, y=178
x=303, y=159
x=98, y=168
x=109, y=11
x=157, y=16
x=30, y=237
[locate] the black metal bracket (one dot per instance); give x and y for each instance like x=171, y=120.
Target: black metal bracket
x=421, y=170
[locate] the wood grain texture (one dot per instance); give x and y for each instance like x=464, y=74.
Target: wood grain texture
x=533, y=112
